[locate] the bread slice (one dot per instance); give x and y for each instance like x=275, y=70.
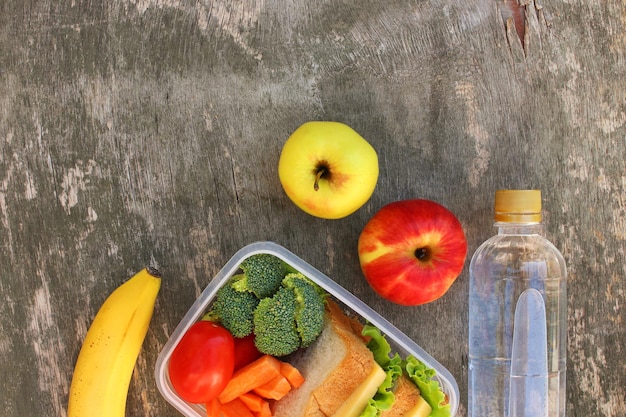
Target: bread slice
x=334, y=366
x=409, y=402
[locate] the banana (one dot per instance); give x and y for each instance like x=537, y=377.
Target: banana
x=109, y=352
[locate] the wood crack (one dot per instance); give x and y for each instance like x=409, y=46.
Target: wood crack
x=514, y=16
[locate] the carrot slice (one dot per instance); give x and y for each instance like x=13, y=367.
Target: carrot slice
x=251, y=376
x=275, y=389
x=292, y=374
x=253, y=401
x=265, y=410
x=236, y=408
x=213, y=408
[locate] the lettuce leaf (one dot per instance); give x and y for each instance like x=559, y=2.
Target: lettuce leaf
x=380, y=348
x=429, y=388
x=377, y=344
x=384, y=398
x=416, y=370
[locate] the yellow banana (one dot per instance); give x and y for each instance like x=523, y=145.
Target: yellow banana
x=107, y=358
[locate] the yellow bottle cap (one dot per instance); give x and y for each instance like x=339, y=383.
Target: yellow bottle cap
x=518, y=206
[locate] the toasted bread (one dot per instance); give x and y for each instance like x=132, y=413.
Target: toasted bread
x=408, y=402
x=334, y=366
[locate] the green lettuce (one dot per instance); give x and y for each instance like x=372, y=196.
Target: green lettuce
x=415, y=369
x=384, y=397
x=422, y=376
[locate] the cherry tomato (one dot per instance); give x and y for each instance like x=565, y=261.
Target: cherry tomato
x=245, y=351
x=203, y=362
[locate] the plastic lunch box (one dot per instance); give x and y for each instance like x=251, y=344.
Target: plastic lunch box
x=398, y=340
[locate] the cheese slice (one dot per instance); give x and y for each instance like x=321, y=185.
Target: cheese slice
x=421, y=409
x=356, y=402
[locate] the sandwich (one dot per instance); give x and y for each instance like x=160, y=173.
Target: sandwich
x=349, y=372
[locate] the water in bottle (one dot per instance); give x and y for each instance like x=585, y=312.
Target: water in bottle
x=516, y=259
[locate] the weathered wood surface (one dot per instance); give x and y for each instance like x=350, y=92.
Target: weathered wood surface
x=139, y=130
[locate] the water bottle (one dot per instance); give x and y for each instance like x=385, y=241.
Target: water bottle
x=516, y=259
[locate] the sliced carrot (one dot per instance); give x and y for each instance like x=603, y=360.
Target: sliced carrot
x=275, y=389
x=236, y=408
x=292, y=374
x=213, y=408
x=265, y=410
x=251, y=376
x=253, y=401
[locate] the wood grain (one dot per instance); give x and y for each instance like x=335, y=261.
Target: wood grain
x=138, y=131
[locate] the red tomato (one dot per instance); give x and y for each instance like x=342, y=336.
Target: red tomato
x=203, y=362
x=245, y=351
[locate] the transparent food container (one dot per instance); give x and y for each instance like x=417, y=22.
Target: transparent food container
x=398, y=340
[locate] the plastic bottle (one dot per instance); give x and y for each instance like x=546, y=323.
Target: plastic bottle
x=519, y=257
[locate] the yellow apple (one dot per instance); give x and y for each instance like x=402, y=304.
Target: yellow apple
x=327, y=169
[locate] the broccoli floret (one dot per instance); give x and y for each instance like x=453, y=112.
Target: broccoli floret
x=235, y=309
x=274, y=324
x=263, y=274
x=283, y=308
x=310, y=300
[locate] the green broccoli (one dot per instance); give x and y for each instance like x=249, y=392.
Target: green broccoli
x=283, y=308
x=234, y=309
x=274, y=324
x=310, y=307
x=263, y=274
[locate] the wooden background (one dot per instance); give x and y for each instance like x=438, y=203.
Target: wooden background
x=138, y=131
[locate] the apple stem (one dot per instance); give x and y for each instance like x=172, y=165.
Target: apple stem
x=320, y=173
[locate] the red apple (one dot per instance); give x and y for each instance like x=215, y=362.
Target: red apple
x=412, y=251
